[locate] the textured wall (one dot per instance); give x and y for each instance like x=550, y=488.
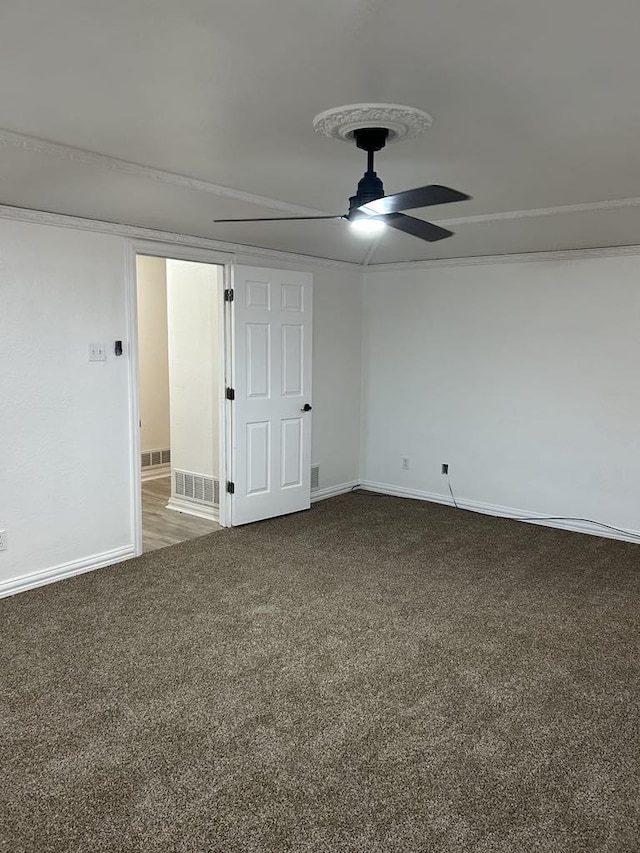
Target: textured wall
x=64, y=423
x=521, y=376
x=65, y=485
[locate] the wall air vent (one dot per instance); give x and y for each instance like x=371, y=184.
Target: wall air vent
x=154, y=458
x=196, y=487
x=315, y=478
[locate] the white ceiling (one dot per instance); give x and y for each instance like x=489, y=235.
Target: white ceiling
x=535, y=106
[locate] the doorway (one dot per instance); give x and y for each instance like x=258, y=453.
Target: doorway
x=180, y=365
x=263, y=395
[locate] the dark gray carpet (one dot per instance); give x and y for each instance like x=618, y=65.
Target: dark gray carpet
x=374, y=675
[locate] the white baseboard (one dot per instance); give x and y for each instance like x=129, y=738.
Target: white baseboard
x=333, y=491
x=573, y=524
x=155, y=473
x=192, y=508
x=66, y=570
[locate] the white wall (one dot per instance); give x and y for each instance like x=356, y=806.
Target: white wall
x=194, y=365
x=523, y=377
x=337, y=375
x=64, y=422
x=153, y=360
x=65, y=490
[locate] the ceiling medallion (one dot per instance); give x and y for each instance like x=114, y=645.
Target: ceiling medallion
x=401, y=121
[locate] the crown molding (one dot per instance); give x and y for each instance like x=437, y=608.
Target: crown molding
x=523, y=258
x=587, y=207
x=102, y=161
x=136, y=232
x=91, y=158
x=113, y=164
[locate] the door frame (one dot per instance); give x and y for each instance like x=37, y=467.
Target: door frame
x=181, y=253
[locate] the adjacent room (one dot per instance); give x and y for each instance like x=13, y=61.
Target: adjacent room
x=320, y=460
x=180, y=357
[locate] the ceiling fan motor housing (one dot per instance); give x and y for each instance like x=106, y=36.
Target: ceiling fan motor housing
x=369, y=189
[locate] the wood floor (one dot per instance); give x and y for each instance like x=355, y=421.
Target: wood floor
x=161, y=526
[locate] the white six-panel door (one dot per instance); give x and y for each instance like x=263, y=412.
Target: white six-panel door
x=271, y=432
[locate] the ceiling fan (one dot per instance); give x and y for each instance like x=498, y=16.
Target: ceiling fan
x=370, y=210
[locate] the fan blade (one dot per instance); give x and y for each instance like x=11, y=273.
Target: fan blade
x=416, y=227
x=410, y=199
x=279, y=219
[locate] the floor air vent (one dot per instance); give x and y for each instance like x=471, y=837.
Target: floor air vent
x=315, y=478
x=196, y=487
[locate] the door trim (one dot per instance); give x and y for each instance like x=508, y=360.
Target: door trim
x=181, y=253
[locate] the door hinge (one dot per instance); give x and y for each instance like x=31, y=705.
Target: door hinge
x=230, y=487
x=231, y=394
x=228, y=295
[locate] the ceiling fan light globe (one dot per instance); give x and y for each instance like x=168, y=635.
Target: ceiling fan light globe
x=368, y=226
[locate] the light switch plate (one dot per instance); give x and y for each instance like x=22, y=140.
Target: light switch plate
x=97, y=352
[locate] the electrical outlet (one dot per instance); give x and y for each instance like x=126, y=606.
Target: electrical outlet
x=445, y=467
x=405, y=463
x=3, y=540
x=97, y=352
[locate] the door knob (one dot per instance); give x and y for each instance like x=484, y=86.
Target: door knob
x=306, y=408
